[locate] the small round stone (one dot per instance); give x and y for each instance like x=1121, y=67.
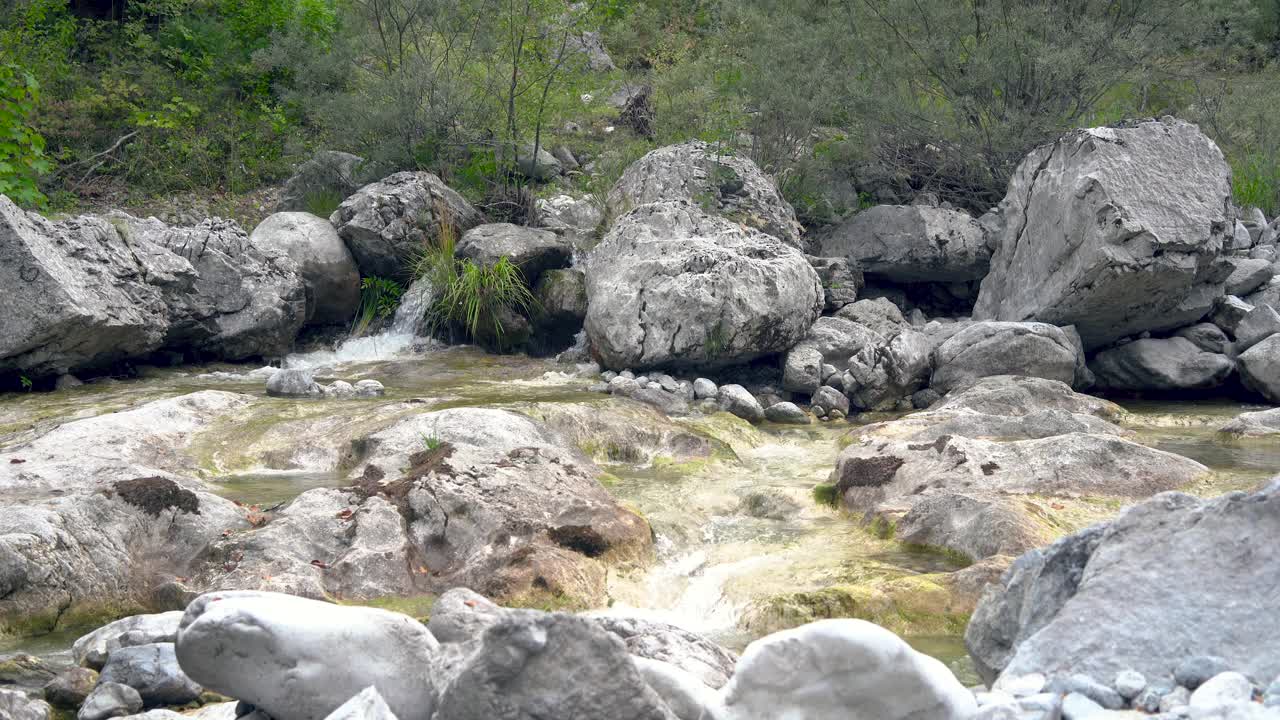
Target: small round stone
x=1129, y=683
x=1196, y=670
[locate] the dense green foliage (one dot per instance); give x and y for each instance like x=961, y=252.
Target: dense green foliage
x=378, y=300
x=22, y=157
x=847, y=101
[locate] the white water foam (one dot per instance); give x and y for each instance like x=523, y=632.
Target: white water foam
x=395, y=341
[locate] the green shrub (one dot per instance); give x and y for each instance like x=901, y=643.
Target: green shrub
x=378, y=300
x=22, y=158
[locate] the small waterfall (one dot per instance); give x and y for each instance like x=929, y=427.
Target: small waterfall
x=386, y=345
x=413, y=307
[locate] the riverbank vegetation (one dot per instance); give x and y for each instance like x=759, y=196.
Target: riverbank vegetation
x=848, y=102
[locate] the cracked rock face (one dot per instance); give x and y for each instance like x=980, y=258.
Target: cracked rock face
x=1114, y=230
x=386, y=223
x=673, y=286
x=89, y=291
x=727, y=185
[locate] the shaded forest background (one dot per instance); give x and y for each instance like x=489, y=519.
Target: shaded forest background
x=847, y=102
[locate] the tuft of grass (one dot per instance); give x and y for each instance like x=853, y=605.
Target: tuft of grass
x=1255, y=182
x=432, y=442
x=479, y=294
x=322, y=203
x=471, y=296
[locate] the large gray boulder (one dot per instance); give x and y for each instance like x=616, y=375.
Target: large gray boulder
x=989, y=348
x=879, y=377
x=387, y=224
x=1268, y=294
x=879, y=315
x=229, y=299
x=109, y=700
x=301, y=659
x=1260, y=368
x=1100, y=601
x=672, y=286
x=725, y=184
x=532, y=665
x=87, y=292
x=1255, y=326
x=912, y=243
x=328, y=177
x=841, y=670
x=1164, y=364
x=329, y=273
x=1248, y=274
x=72, y=296
x=1115, y=230
x=532, y=250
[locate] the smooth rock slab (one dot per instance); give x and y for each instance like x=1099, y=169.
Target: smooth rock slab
x=287, y=649
x=841, y=670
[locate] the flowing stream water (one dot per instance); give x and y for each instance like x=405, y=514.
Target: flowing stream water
x=715, y=560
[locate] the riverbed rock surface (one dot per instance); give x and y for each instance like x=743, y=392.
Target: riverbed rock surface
x=98, y=510
x=722, y=182
x=670, y=285
x=486, y=498
x=1116, y=230
x=1097, y=602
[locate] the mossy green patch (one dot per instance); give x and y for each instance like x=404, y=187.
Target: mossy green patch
x=907, y=605
x=415, y=606
x=825, y=494
x=81, y=614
